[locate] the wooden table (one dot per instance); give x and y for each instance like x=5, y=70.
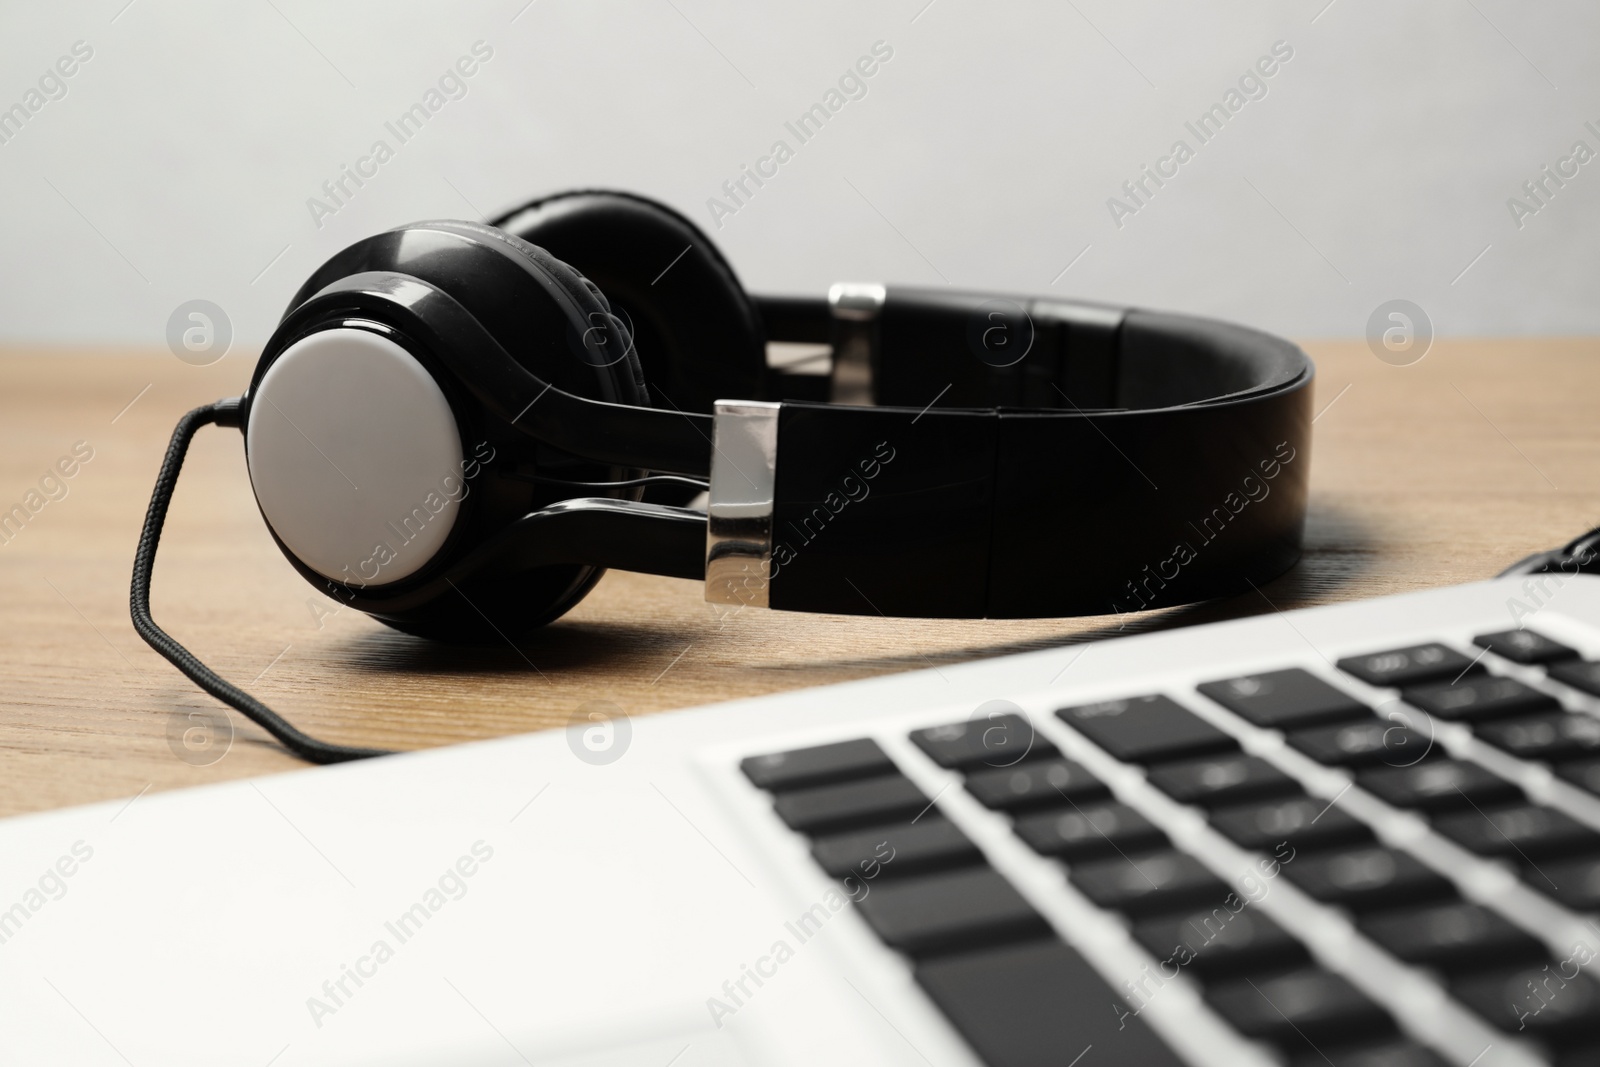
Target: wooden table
x=1437, y=473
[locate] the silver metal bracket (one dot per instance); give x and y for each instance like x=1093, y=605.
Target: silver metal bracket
x=744, y=474
x=855, y=307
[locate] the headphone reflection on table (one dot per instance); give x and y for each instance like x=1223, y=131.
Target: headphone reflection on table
x=456, y=428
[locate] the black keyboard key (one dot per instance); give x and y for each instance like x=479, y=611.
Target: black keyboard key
x=1479, y=697
x=951, y=910
x=1573, y=884
x=1035, y=784
x=1368, y=879
x=1397, y=1052
x=1153, y=884
x=1585, y=774
x=1524, y=646
x=1218, y=781
x=1520, y=832
x=1376, y=742
x=1001, y=741
x=1551, y=737
x=1303, y=824
x=826, y=808
x=1147, y=729
x=1308, y=1007
x=800, y=767
x=1456, y=936
x=1400, y=667
x=931, y=843
x=1221, y=942
x=1090, y=832
x=1438, y=786
x=1582, y=674
x=1038, y=1005
x=1536, y=1001
x=1285, y=700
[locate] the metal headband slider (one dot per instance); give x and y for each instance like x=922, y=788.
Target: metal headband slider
x=744, y=462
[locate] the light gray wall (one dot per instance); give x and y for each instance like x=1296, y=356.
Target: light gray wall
x=1378, y=164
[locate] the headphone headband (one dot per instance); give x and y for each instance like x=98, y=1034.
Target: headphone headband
x=1171, y=467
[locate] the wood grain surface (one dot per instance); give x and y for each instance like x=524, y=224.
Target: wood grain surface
x=1432, y=474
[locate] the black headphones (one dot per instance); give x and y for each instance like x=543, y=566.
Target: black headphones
x=455, y=431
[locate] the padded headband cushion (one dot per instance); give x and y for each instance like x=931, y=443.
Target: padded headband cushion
x=699, y=336
x=621, y=352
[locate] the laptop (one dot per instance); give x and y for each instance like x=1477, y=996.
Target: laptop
x=1361, y=835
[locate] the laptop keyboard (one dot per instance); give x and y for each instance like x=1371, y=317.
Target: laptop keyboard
x=1021, y=994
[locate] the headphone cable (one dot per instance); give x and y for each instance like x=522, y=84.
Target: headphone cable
x=221, y=413
x=1581, y=555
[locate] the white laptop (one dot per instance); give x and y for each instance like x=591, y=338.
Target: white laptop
x=1366, y=835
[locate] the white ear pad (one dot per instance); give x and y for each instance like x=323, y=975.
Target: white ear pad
x=355, y=457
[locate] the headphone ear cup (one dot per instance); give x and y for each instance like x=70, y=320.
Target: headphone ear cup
x=699, y=335
x=559, y=326
x=603, y=333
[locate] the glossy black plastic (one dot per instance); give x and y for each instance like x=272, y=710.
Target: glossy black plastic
x=699, y=336
x=595, y=532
